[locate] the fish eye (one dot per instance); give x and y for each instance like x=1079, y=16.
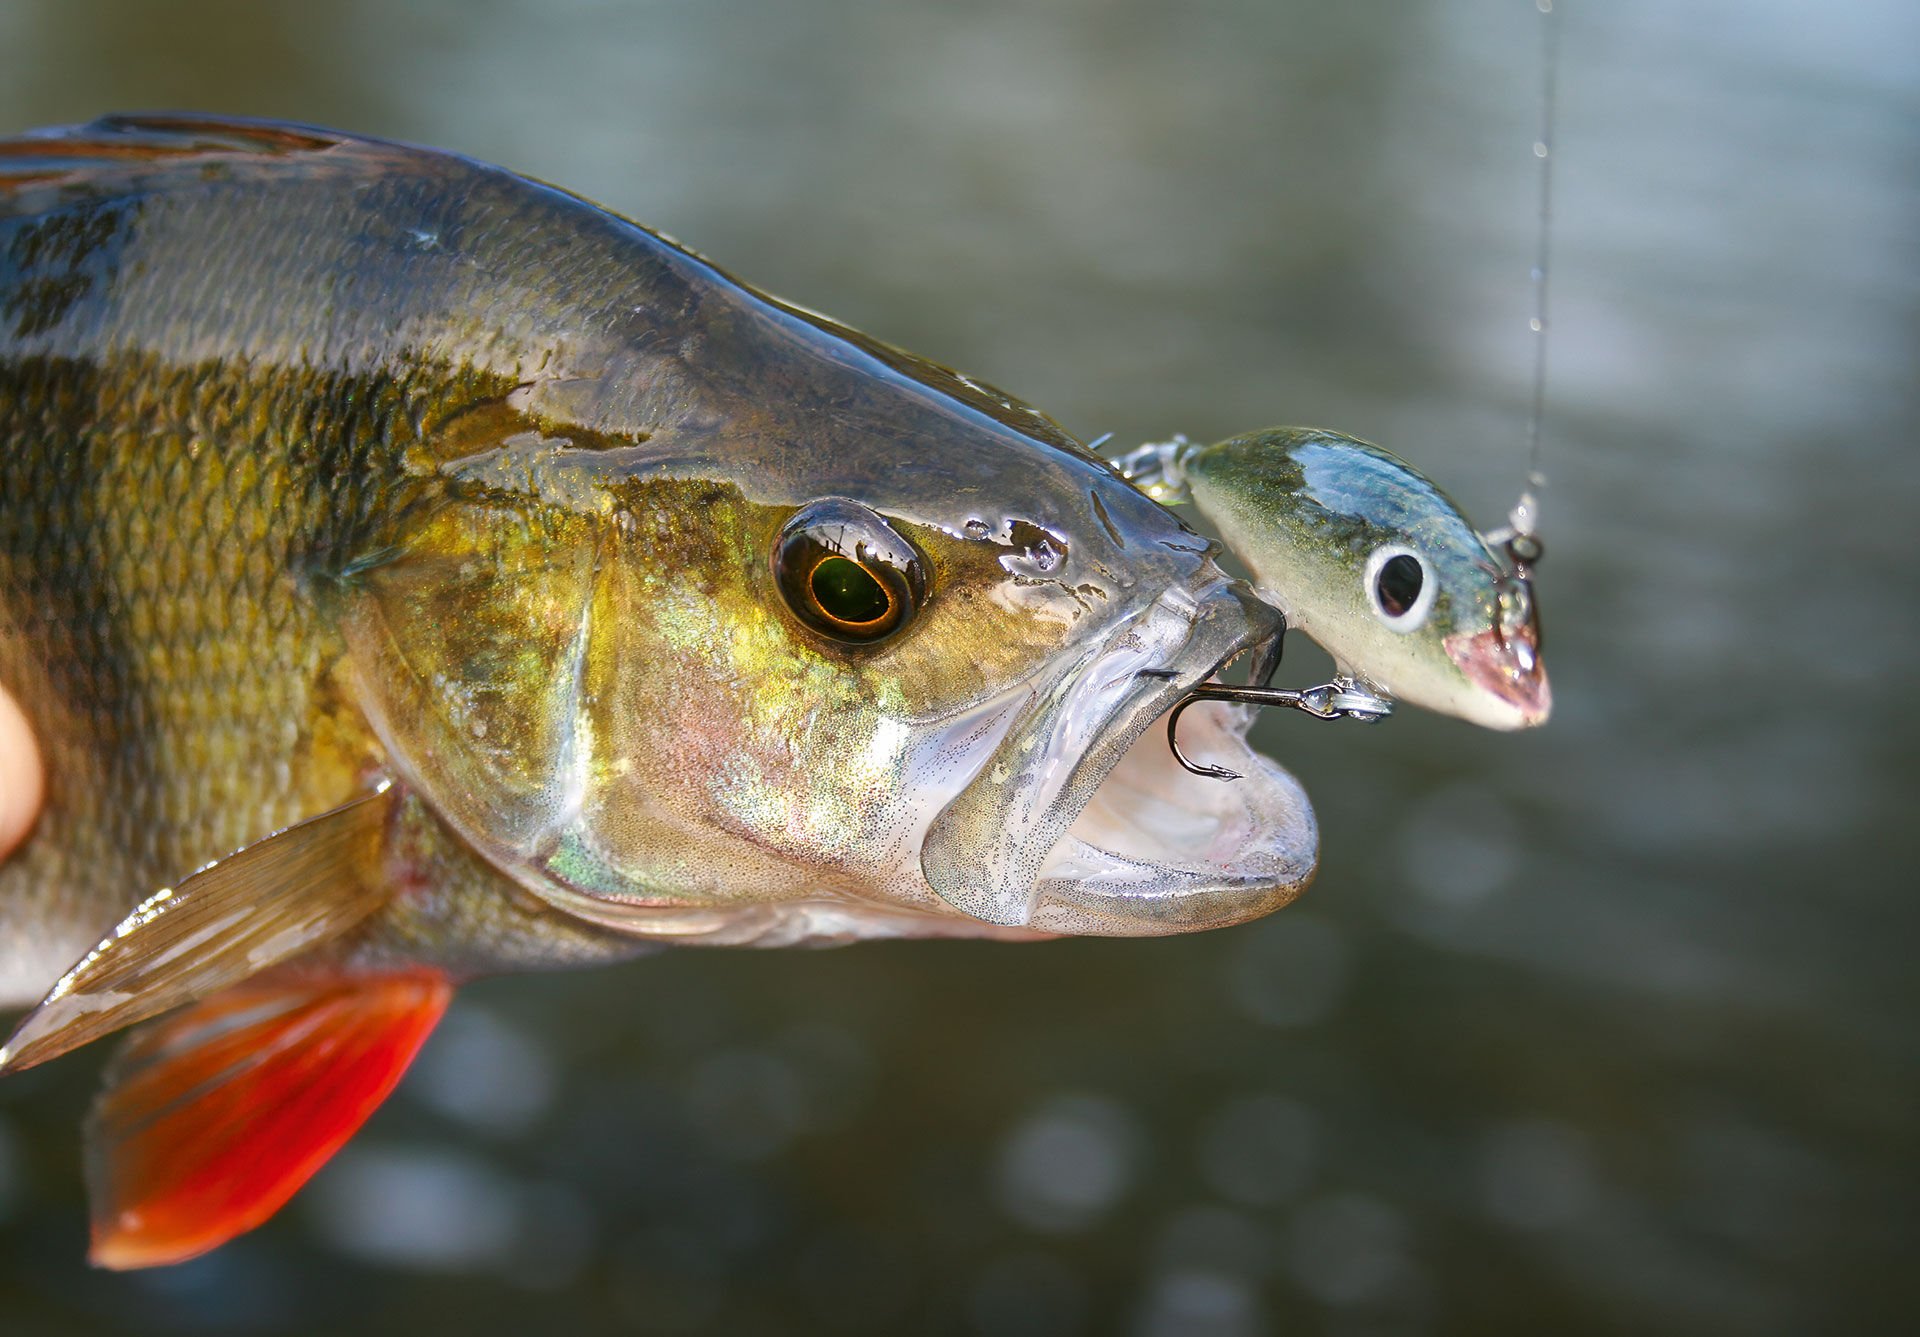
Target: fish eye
x=846, y=573
x=1400, y=586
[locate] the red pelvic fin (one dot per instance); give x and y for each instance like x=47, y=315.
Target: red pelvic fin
x=213, y=1117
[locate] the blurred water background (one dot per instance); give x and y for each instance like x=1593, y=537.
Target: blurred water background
x=1609, y=1028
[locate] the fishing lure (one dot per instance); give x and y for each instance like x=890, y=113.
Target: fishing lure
x=1363, y=552
x=1366, y=555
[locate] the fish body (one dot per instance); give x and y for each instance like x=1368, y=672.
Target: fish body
x=411, y=570
x=1370, y=558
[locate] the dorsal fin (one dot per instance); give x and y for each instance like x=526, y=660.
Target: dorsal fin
x=129, y=150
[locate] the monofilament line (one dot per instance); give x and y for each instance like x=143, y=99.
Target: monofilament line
x=1526, y=513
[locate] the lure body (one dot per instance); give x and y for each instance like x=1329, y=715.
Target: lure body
x=1371, y=559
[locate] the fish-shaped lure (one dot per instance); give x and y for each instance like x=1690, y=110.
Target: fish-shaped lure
x=1367, y=556
x=413, y=571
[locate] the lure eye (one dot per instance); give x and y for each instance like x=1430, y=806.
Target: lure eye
x=1400, y=586
x=846, y=573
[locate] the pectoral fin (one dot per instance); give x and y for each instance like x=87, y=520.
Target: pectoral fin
x=275, y=898
x=213, y=1118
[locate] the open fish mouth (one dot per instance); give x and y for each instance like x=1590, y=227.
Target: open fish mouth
x=1082, y=822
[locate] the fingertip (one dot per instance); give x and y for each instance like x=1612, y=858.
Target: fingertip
x=22, y=781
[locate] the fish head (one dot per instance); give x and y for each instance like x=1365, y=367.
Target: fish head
x=811, y=641
x=1369, y=558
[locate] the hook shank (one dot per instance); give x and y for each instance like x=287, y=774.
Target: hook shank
x=1343, y=698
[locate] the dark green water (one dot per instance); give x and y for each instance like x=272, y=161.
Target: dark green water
x=1611, y=1028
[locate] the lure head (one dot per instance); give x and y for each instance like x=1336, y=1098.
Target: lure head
x=1369, y=558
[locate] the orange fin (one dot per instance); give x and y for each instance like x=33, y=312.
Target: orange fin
x=214, y=1117
x=274, y=899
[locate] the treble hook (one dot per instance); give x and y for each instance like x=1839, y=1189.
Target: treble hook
x=1343, y=698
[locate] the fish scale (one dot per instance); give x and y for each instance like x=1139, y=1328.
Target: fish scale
x=132, y=613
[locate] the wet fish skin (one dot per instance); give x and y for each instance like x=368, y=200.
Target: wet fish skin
x=267, y=392
x=391, y=563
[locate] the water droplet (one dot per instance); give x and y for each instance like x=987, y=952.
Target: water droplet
x=1347, y=1250
x=428, y=1211
x=1258, y=1150
x=1535, y=1174
x=483, y=1071
x=1200, y=1303
x=1067, y=1163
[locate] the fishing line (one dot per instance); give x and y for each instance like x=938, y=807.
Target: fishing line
x=1525, y=517
x=1150, y=467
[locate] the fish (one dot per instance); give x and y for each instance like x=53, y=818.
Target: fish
x=1367, y=556
x=412, y=572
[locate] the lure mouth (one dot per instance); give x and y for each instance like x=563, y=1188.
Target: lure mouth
x=1504, y=664
x=1082, y=821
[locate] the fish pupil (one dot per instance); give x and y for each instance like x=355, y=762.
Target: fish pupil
x=848, y=592
x=1398, y=584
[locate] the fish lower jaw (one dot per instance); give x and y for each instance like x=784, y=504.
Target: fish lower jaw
x=1158, y=850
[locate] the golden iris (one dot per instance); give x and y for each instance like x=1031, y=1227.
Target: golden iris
x=846, y=573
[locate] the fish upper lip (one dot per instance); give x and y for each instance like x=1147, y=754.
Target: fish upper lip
x=995, y=850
